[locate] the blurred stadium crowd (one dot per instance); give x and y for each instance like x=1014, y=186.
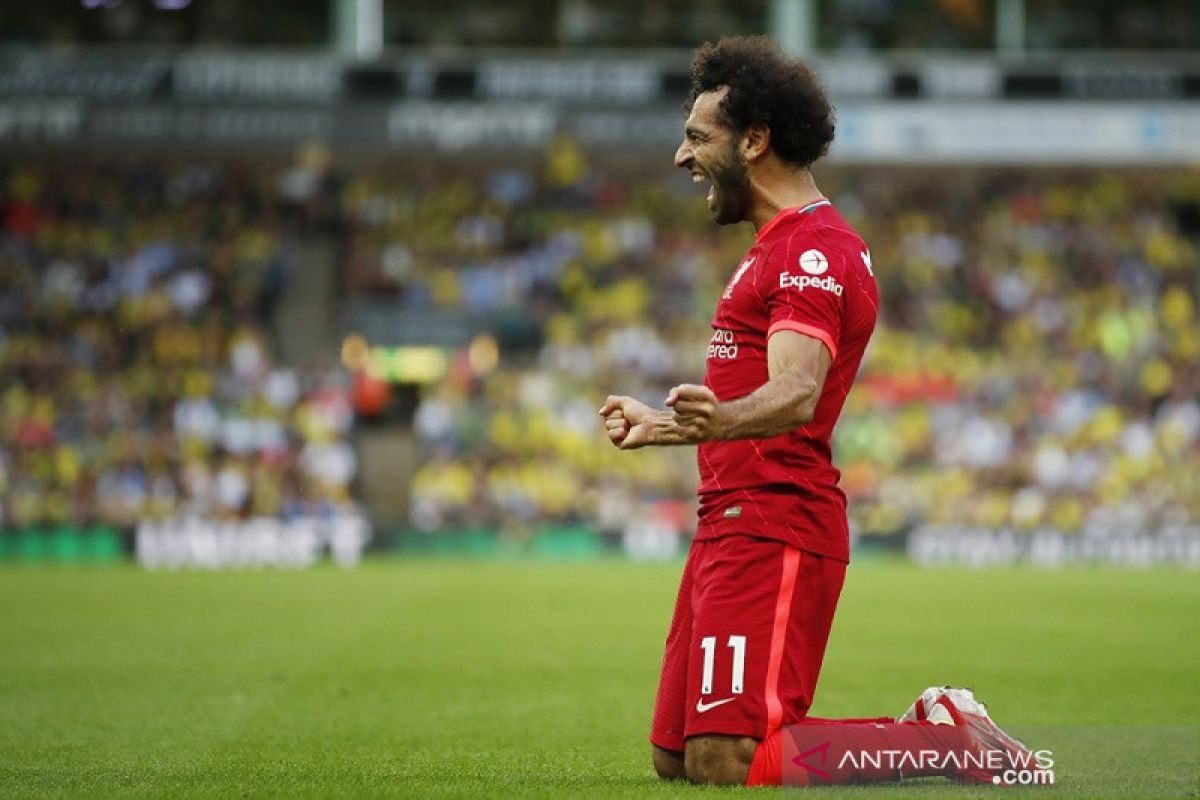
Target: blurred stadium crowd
x=137, y=379
x=1037, y=364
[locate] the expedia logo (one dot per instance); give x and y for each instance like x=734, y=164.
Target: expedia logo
x=789, y=281
x=814, y=262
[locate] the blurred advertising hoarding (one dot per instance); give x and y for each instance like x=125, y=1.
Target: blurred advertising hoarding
x=888, y=132
x=195, y=543
x=914, y=110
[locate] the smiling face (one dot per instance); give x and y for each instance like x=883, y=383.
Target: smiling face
x=710, y=153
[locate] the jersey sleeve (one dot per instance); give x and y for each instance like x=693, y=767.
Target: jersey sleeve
x=805, y=288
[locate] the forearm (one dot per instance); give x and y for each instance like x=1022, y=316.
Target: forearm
x=782, y=404
x=665, y=430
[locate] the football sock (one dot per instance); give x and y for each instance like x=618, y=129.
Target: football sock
x=828, y=752
x=766, y=769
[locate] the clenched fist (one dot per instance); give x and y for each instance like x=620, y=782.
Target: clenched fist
x=698, y=413
x=629, y=422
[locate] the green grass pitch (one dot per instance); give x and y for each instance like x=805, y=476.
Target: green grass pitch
x=431, y=678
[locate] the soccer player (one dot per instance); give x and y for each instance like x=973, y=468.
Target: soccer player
x=762, y=579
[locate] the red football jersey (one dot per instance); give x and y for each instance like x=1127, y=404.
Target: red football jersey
x=810, y=272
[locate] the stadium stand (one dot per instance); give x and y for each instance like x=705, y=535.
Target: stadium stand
x=136, y=361
x=1037, y=365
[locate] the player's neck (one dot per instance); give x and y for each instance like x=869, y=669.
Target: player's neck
x=776, y=190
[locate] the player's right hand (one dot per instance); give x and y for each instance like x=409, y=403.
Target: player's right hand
x=616, y=426
x=626, y=421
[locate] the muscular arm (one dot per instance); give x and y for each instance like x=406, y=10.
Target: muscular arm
x=796, y=368
x=631, y=424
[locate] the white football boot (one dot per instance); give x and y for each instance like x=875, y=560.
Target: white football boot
x=926, y=707
x=982, y=735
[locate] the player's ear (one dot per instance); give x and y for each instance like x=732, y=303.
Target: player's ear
x=755, y=142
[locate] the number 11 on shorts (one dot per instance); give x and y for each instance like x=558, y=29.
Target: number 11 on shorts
x=709, y=645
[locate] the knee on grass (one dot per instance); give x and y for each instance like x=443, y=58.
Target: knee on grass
x=719, y=759
x=668, y=764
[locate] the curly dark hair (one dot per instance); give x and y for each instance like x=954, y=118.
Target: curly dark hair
x=766, y=87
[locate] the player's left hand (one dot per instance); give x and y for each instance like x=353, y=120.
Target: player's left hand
x=698, y=413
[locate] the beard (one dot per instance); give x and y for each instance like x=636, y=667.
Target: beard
x=731, y=197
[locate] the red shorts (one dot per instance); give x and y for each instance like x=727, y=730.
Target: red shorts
x=751, y=622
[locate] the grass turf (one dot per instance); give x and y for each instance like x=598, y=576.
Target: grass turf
x=436, y=678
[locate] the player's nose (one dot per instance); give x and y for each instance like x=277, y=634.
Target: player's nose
x=683, y=155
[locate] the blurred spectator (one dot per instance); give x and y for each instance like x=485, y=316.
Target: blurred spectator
x=136, y=374
x=1037, y=364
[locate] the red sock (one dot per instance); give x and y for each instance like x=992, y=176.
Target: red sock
x=765, y=769
x=821, y=752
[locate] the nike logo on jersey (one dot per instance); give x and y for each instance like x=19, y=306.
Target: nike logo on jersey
x=702, y=706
